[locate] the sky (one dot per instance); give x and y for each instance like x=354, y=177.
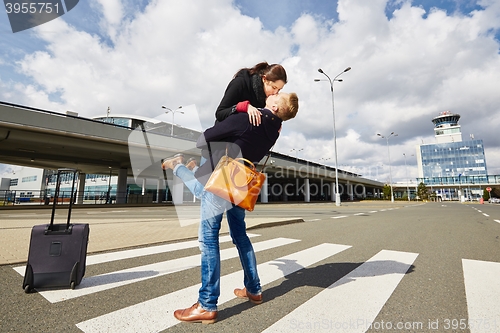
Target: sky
x=410, y=61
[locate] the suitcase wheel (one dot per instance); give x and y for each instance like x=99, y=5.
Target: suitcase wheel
x=72, y=285
x=27, y=289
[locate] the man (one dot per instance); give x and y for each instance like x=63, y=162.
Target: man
x=236, y=136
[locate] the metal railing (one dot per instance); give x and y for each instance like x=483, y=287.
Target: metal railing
x=461, y=180
x=33, y=197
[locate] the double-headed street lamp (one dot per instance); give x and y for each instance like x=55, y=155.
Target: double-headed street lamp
x=296, y=153
x=173, y=115
x=337, y=194
x=389, y=154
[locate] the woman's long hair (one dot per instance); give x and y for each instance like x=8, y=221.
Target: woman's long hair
x=272, y=72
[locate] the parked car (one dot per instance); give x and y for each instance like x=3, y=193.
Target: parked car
x=494, y=200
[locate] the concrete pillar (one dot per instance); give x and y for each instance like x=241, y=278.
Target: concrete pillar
x=121, y=187
x=264, y=193
x=350, y=190
x=81, y=188
x=307, y=189
x=143, y=191
x=159, y=187
x=177, y=191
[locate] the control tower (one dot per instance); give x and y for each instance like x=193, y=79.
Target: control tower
x=446, y=127
x=450, y=156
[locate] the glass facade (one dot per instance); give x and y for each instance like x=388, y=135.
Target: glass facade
x=454, y=159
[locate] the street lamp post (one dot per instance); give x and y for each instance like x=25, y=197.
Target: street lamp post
x=389, y=154
x=173, y=115
x=337, y=194
x=296, y=153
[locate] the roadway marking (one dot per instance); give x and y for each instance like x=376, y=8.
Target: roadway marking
x=156, y=315
x=338, y=217
x=134, y=253
x=352, y=303
x=124, y=277
x=497, y=221
x=482, y=288
x=313, y=220
x=373, y=211
x=358, y=214
x=486, y=215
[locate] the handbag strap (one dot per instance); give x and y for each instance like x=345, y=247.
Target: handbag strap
x=268, y=155
x=227, y=145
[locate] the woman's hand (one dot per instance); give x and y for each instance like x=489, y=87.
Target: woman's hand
x=254, y=115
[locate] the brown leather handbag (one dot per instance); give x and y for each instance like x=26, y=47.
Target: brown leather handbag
x=236, y=182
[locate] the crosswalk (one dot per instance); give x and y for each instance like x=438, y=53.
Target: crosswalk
x=359, y=296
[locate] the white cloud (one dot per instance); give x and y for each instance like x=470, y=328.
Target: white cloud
x=405, y=70
x=113, y=12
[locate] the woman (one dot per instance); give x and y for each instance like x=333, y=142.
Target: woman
x=247, y=91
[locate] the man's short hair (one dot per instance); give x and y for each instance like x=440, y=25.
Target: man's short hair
x=288, y=106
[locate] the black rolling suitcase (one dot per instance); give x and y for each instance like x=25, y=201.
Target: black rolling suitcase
x=57, y=252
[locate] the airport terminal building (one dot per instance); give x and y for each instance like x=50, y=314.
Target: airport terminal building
x=118, y=158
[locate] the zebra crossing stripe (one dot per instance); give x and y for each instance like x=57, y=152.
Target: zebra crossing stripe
x=156, y=315
x=111, y=280
x=134, y=253
x=355, y=300
x=127, y=254
x=482, y=288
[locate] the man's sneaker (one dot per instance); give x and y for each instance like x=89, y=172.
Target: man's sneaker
x=243, y=293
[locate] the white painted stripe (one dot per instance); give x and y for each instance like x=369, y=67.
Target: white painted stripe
x=497, y=221
x=313, y=220
x=156, y=314
x=127, y=254
x=111, y=280
x=482, y=288
x=373, y=211
x=359, y=214
x=339, y=217
x=486, y=215
x=479, y=211
x=352, y=303
x=134, y=253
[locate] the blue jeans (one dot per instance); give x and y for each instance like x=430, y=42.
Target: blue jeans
x=212, y=210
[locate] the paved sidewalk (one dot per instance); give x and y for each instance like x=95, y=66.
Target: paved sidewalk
x=110, y=234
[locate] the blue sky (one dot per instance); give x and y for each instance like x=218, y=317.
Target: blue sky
x=410, y=60
x=285, y=12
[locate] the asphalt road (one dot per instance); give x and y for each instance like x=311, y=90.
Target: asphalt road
x=426, y=267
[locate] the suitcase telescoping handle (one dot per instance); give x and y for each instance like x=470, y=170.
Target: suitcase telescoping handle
x=56, y=196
